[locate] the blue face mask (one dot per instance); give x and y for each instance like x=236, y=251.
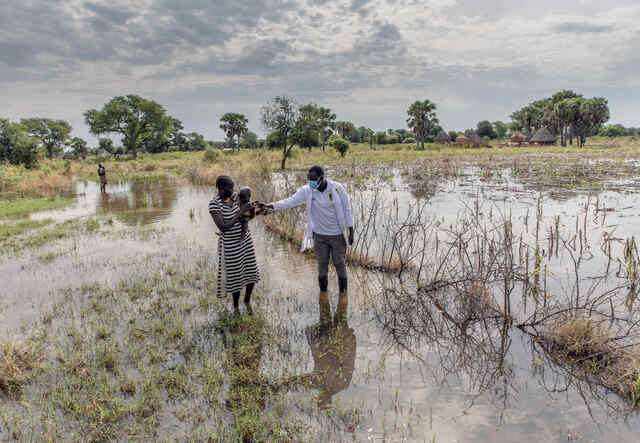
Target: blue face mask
x=313, y=185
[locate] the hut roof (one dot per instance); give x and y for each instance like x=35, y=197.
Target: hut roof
x=462, y=138
x=477, y=140
x=443, y=137
x=518, y=137
x=543, y=136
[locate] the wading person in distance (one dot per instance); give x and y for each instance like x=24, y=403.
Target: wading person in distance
x=102, y=173
x=328, y=214
x=237, y=266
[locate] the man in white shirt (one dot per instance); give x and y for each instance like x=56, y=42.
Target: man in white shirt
x=328, y=213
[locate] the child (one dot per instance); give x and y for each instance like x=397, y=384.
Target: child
x=244, y=195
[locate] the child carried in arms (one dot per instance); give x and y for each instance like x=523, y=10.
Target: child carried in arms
x=244, y=195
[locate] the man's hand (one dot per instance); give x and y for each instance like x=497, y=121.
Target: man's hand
x=265, y=207
x=350, y=236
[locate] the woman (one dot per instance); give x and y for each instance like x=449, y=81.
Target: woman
x=237, y=266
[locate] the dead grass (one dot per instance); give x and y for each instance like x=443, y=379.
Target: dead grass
x=17, y=361
x=583, y=343
x=581, y=337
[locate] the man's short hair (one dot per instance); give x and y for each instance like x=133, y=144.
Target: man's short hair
x=318, y=170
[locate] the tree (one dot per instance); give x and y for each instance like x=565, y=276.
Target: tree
x=367, y=135
x=195, y=142
x=345, y=129
x=501, y=129
x=421, y=116
x=309, y=127
x=51, y=133
x=234, y=125
x=131, y=116
x=485, y=129
x=453, y=135
x=177, y=139
x=280, y=116
x=326, y=124
x=16, y=146
x=273, y=141
x=339, y=144
x=79, y=147
x=106, y=144
x=380, y=138
x=249, y=140
x=613, y=131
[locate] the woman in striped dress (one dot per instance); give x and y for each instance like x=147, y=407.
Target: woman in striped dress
x=237, y=266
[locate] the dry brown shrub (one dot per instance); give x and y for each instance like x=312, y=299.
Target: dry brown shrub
x=581, y=336
x=17, y=360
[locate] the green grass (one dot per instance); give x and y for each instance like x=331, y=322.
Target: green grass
x=13, y=229
x=15, y=240
x=12, y=208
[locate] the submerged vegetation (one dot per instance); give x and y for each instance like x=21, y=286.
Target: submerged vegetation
x=136, y=345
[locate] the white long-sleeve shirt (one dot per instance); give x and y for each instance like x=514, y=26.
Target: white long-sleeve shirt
x=324, y=212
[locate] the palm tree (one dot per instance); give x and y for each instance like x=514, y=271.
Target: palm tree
x=422, y=115
x=234, y=125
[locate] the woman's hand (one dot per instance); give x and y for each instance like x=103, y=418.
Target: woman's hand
x=244, y=207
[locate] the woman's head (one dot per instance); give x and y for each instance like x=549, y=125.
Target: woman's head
x=225, y=186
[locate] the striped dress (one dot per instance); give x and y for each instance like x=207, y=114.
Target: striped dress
x=237, y=266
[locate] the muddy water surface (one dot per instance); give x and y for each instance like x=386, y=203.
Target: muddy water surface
x=437, y=390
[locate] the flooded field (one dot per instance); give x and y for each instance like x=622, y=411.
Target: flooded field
x=460, y=277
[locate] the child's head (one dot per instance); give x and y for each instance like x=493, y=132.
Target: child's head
x=245, y=195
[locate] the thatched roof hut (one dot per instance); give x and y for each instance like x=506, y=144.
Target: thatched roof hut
x=476, y=140
x=518, y=137
x=527, y=135
x=462, y=140
x=443, y=138
x=543, y=137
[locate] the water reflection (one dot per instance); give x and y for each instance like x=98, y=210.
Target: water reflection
x=142, y=202
x=458, y=339
x=333, y=346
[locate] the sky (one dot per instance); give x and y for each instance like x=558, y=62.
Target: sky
x=367, y=60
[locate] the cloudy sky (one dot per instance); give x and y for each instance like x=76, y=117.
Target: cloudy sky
x=365, y=59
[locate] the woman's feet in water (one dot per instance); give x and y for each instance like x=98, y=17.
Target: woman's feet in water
x=247, y=303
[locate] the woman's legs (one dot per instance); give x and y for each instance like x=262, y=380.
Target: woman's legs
x=236, y=300
x=247, y=297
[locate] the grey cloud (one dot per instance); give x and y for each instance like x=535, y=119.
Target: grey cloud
x=582, y=28
x=360, y=7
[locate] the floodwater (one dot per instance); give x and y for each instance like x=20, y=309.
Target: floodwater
x=499, y=387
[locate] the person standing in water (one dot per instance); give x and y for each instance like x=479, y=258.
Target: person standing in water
x=102, y=173
x=237, y=265
x=328, y=214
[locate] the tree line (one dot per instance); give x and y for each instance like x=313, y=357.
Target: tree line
x=566, y=114
x=144, y=126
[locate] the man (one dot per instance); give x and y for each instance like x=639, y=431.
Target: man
x=328, y=213
x=102, y=173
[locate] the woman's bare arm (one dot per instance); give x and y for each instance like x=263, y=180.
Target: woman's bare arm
x=219, y=220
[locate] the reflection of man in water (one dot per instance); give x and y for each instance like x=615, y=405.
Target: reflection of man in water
x=102, y=173
x=333, y=346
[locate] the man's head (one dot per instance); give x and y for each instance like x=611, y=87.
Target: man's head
x=244, y=194
x=315, y=175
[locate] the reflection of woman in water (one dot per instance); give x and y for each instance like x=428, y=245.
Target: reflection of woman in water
x=333, y=346
x=237, y=266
